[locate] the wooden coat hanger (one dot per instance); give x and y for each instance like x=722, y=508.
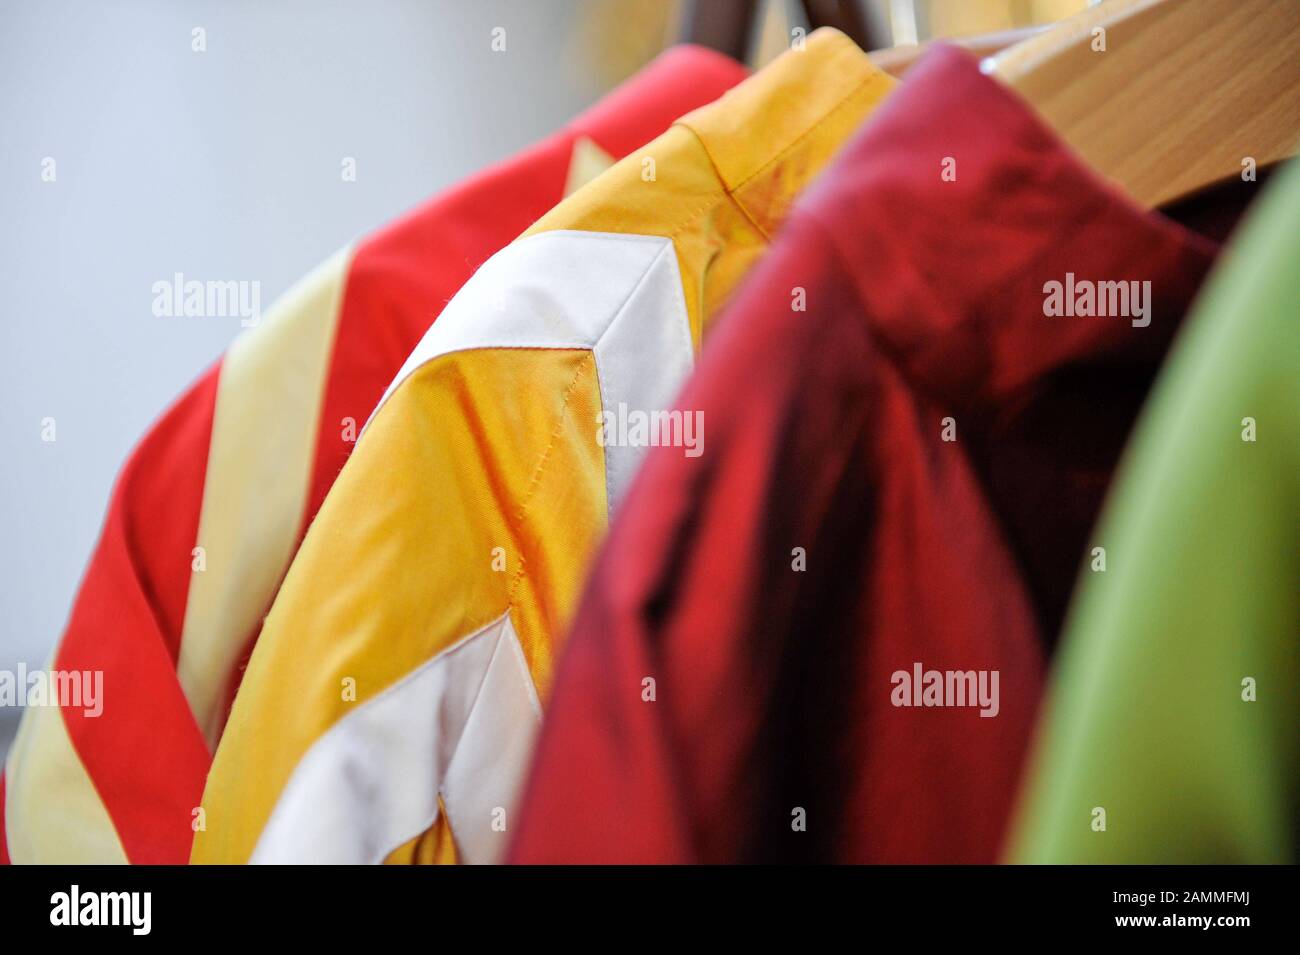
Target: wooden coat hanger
x=722, y=25
x=897, y=60
x=1183, y=93
x=727, y=25
x=845, y=16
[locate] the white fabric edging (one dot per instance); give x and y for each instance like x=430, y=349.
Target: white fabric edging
x=618, y=295
x=462, y=724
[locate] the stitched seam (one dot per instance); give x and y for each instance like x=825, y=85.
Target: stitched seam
x=469, y=717
x=517, y=654
x=509, y=644
x=521, y=514
x=369, y=704
x=563, y=416
x=601, y=380
x=857, y=91
x=729, y=190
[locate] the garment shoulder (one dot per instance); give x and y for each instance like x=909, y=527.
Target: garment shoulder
x=563, y=290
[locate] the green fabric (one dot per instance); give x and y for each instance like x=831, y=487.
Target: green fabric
x=1146, y=717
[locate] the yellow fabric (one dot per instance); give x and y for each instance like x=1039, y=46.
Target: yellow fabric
x=586, y=162
x=468, y=473
x=496, y=448
x=431, y=847
x=53, y=813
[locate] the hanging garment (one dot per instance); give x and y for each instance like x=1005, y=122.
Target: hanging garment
x=389, y=710
x=1170, y=732
x=239, y=466
x=823, y=638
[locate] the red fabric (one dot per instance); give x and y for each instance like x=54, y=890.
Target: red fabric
x=822, y=431
x=145, y=753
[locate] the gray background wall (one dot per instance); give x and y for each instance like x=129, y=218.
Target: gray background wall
x=223, y=164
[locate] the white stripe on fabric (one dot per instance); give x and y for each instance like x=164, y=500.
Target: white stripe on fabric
x=618, y=295
x=462, y=724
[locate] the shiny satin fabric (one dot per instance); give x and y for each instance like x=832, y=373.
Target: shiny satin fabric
x=396, y=689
